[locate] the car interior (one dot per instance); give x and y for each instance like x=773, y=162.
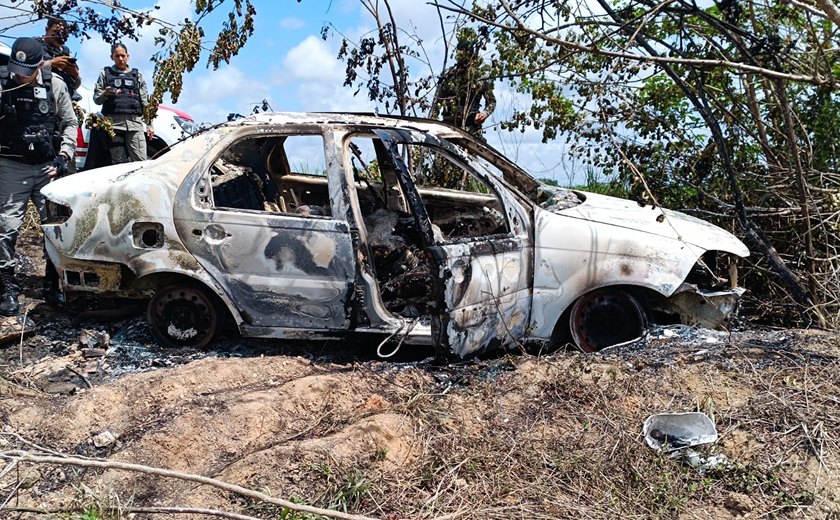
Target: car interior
x=255, y=174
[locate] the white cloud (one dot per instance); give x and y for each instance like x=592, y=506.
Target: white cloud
x=332, y=98
x=311, y=60
x=210, y=97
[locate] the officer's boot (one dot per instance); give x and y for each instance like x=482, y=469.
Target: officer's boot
x=52, y=292
x=9, y=305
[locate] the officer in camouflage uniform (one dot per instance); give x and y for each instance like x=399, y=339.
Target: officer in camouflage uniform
x=35, y=108
x=463, y=87
x=123, y=95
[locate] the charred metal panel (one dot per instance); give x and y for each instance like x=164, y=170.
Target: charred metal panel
x=110, y=206
x=485, y=295
x=285, y=272
x=654, y=221
x=280, y=270
x=485, y=280
x=576, y=256
x=710, y=309
x=91, y=276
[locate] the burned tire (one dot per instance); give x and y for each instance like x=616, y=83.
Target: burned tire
x=184, y=315
x=605, y=317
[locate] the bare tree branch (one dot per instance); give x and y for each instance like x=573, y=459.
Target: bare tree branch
x=830, y=9
x=25, y=456
x=815, y=79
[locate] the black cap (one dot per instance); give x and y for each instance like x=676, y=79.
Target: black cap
x=52, y=20
x=26, y=56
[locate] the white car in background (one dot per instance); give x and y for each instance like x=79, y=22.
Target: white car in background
x=170, y=124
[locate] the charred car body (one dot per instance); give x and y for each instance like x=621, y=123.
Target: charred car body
x=324, y=225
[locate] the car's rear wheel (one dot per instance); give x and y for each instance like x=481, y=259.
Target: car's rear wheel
x=605, y=317
x=184, y=315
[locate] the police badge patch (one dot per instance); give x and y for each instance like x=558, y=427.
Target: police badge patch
x=117, y=82
x=20, y=56
x=43, y=107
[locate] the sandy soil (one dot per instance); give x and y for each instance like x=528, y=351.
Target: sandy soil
x=516, y=436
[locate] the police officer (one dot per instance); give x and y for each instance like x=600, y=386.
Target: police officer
x=34, y=106
x=57, y=55
x=123, y=95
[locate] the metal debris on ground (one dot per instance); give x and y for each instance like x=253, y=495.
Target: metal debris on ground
x=670, y=431
x=677, y=433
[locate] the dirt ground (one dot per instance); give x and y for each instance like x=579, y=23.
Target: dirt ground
x=512, y=436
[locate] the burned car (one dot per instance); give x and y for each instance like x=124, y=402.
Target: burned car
x=407, y=230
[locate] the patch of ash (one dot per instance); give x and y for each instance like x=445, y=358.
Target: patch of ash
x=466, y=373
x=24, y=264
x=754, y=348
x=134, y=350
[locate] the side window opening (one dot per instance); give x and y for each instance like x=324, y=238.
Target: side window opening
x=460, y=205
x=283, y=174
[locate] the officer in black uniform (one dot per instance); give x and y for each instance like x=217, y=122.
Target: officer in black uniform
x=57, y=55
x=35, y=107
x=123, y=95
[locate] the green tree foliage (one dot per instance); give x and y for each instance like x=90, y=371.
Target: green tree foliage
x=728, y=111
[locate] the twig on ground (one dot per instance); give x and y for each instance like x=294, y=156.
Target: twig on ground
x=83, y=378
x=24, y=456
x=148, y=510
x=22, y=334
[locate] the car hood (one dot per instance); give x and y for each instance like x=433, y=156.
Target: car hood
x=656, y=221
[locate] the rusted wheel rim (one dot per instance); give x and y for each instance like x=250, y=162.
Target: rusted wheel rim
x=183, y=316
x=604, y=318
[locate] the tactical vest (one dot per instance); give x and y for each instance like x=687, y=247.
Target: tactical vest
x=128, y=101
x=30, y=119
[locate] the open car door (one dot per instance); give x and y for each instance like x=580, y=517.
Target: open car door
x=477, y=232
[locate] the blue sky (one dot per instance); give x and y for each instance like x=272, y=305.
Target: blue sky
x=288, y=64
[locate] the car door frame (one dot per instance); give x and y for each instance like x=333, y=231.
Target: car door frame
x=474, y=313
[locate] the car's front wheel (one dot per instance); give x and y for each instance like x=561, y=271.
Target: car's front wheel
x=184, y=315
x=605, y=317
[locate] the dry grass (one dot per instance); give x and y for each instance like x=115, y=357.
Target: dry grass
x=559, y=437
